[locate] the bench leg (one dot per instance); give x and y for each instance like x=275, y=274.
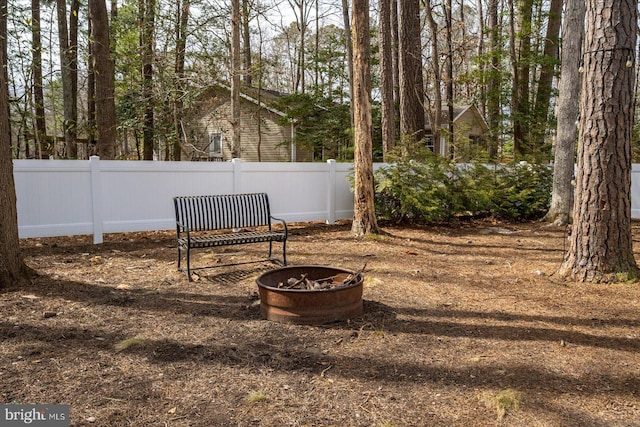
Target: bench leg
x=284, y=252
x=189, y=263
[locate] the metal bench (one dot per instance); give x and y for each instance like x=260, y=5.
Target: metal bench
x=238, y=218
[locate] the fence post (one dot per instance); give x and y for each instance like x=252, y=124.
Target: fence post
x=237, y=175
x=331, y=192
x=96, y=198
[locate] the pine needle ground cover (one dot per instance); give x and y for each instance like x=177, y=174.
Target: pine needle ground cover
x=462, y=326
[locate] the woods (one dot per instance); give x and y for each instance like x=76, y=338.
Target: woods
x=428, y=57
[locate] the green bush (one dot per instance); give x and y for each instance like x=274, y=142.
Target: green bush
x=434, y=190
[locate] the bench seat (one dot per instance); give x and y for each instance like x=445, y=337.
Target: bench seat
x=238, y=238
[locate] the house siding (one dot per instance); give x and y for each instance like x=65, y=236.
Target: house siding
x=273, y=138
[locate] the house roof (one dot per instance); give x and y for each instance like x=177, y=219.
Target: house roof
x=251, y=94
x=459, y=111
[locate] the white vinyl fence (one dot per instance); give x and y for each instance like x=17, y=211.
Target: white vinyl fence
x=71, y=197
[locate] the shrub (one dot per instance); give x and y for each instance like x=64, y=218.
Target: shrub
x=434, y=190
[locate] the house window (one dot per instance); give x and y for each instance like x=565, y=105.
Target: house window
x=215, y=144
x=429, y=142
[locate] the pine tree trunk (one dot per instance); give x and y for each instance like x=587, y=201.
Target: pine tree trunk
x=567, y=112
x=91, y=93
x=182, y=21
x=410, y=69
x=248, y=72
x=435, y=110
x=235, y=79
x=12, y=267
x=494, y=83
x=601, y=240
x=364, y=221
x=521, y=62
x=396, y=55
x=44, y=148
x=69, y=124
x=147, y=47
x=74, y=13
x=387, y=106
x=349, y=49
x=548, y=70
x=105, y=103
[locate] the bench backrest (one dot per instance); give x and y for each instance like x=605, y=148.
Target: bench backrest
x=201, y=213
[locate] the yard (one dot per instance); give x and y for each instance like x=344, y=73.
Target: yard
x=462, y=326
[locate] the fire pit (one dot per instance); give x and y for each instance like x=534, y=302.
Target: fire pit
x=335, y=294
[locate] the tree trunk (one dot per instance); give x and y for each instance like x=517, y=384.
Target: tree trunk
x=43, y=146
x=601, y=241
x=567, y=112
x=73, y=69
x=12, y=267
x=235, y=78
x=349, y=46
x=147, y=47
x=91, y=93
x=410, y=69
x=521, y=62
x=69, y=125
x=364, y=220
x=246, y=38
x=435, y=110
x=181, y=40
x=387, y=105
x=548, y=69
x=395, y=54
x=103, y=66
x=494, y=83
x=447, y=6
x=482, y=66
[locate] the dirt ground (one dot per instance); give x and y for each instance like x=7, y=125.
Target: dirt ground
x=462, y=326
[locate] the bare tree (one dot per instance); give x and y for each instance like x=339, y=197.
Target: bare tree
x=302, y=11
x=601, y=246
x=364, y=220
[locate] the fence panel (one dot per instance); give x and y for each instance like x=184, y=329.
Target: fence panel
x=70, y=197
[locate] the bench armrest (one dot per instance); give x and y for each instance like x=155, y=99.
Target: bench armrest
x=183, y=228
x=284, y=224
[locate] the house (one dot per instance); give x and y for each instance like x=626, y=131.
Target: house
x=262, y=137
x=468, y=123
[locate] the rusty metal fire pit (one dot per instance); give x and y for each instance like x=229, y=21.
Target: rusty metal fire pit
x=309, y=306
